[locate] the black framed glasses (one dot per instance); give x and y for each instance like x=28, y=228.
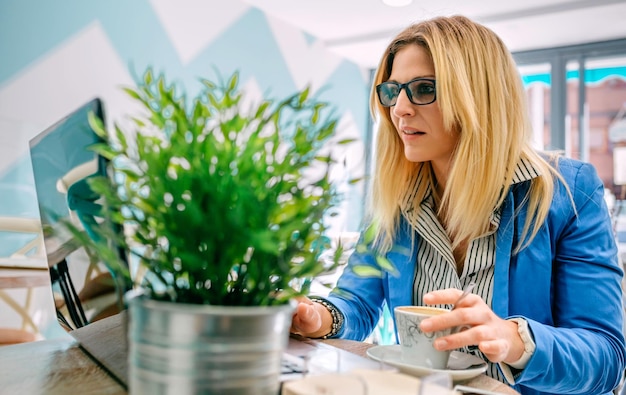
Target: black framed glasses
x=420, y=91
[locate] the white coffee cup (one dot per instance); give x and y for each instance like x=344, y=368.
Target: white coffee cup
x=417, y=346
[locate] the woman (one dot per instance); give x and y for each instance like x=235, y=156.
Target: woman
x=460, y=196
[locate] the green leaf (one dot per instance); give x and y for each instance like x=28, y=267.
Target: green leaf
x=234, y=80
x=367, y=271
x=214, y=192
x=147, y=78
x=370, y=234
x=386, y=265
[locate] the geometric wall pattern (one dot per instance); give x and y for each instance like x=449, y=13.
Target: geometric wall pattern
x=56, y=55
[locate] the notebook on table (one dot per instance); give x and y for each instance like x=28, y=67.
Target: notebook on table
x=87, y=299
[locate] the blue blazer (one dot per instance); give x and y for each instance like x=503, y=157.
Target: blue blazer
x=566, y=283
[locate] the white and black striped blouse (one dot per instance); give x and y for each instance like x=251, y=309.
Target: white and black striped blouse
x=436, y=267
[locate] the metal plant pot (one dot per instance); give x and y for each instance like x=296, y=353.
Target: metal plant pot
x=197, y=349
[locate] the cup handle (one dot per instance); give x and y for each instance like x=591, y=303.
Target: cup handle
x=461, y=328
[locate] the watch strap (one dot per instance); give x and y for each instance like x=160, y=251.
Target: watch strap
x=529, y=342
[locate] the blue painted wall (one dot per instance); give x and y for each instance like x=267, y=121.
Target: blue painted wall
x=56, y=55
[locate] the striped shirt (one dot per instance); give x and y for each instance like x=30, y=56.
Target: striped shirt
x=436, y=267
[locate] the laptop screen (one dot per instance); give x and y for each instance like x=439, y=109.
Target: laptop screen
x=84, y=289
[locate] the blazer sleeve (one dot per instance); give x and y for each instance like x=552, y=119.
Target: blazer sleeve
x=359, y=298
x=583, y=350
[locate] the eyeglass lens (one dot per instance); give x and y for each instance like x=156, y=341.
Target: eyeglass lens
x=420, y=91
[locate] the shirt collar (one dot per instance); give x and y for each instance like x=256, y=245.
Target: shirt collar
x=524, y=171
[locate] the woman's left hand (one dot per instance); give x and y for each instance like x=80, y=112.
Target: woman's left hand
x=497, y=338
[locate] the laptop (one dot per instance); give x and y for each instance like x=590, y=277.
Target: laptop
x=88, y=298
x=84, y=289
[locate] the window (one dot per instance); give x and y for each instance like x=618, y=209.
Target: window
x=577, y=97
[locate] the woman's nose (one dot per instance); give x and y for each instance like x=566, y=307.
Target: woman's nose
x=403, y=105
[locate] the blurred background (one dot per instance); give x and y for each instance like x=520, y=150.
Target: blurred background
x=55, y=56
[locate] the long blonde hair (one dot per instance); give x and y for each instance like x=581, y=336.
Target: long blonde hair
x=481, y=96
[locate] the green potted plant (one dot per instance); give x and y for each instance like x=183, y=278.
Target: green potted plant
x=225, y=208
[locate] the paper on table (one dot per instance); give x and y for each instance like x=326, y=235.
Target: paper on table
x=377, y=382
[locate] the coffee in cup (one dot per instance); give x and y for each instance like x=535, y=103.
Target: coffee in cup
x=417, y=346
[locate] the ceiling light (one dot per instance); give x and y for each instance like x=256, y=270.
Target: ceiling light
x=397, y=3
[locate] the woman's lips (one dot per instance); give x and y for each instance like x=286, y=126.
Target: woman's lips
x=412, y=132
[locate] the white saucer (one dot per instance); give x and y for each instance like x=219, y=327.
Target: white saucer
x=461, y=366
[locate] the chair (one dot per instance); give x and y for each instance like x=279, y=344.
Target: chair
x=96, y=296
x=30, y=255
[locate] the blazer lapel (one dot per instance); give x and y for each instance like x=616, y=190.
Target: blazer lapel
x=504, y=245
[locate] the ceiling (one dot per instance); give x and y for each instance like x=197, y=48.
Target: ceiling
x=360, y=29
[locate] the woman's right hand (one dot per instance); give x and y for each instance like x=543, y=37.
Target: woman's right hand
x=310, y=319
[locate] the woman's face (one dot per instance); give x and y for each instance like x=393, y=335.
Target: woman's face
x=420, y=126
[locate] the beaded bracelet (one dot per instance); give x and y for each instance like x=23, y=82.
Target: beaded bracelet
x=336, y=315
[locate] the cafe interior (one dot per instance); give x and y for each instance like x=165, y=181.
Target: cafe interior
x=63, y=329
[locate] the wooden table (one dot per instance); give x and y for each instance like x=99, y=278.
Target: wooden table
x=51, y=367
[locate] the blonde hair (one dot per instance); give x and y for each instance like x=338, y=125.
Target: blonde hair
x=481, y=97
